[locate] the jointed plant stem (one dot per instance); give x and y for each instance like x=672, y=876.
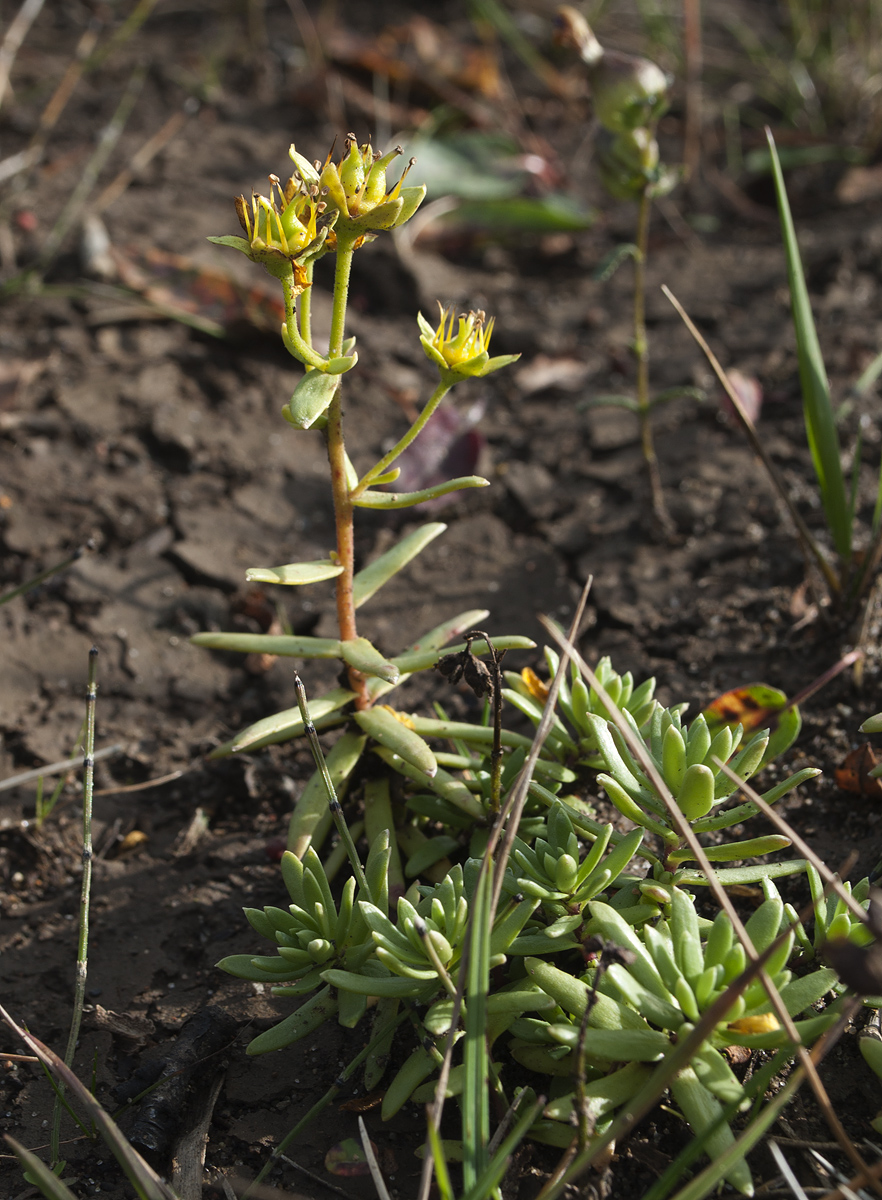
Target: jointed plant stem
x=85, y=891
x=641, y=353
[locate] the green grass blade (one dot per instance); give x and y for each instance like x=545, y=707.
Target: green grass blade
x=44, y=575
x=855, y=478
x=38, y=1173
x=820, y=425
x=476, y=1094
x=499, y=1163
x=436, y=1149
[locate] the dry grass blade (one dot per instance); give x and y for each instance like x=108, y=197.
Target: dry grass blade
x=140, y=787
x=685, y=831
x=846, y=1191
x=810, y=547
x=68, y=764
x=831, y=879
x=511, y=814
x=15, y=35
x=786, y=1170
x=141, y=159
x=376, y=1173
x=110, y=135
x=514, y=806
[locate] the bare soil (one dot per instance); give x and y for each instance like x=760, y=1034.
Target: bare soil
x=164, y=446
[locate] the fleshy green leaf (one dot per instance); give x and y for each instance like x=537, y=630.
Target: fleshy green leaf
x=300, y=1024
x=295, y=573
x=282, y=726
x=267, y=643
x=360, y=654
x=384, y=727
x=371, y=578
x=311, y=399
x=730, y=851
x=230, y=239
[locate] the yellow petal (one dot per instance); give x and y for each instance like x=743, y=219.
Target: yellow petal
x=534, y=685
x=764, y=1023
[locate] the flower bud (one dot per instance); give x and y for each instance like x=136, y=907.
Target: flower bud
x=352, y=172
x=462, y=353
x=356, y=190
x=629, y=92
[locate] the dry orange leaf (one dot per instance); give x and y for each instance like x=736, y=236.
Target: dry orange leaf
x=854, y=774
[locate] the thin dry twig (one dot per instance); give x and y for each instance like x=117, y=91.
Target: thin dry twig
x=86, y=58
x=510, y=814
x=68, y=764
x=810, y=548
x=141, y=159
x=28, y=158
x=692, y=48
x=110, y=135
x=832, y=880
x=514, y=806
x=15, y=35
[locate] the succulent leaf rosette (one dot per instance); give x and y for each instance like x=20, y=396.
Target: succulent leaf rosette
x=637, y=1009
x=686, y=758
x=573, y=731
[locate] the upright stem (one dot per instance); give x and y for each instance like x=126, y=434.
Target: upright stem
x=305, y=306
x=641, y=352
x=85, y=893
x=343, y=507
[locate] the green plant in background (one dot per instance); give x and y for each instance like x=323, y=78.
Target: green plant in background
x=816, y=63
x=850, y=566
x=849, y=573
x=629, y=94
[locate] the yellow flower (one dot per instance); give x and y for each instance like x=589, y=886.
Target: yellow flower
x=461, y=349
x=534, y=685
x=283, y=230
x=356, y=189
x=764, y=1023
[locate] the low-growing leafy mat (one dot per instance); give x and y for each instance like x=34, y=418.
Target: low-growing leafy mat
x=163, y=444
